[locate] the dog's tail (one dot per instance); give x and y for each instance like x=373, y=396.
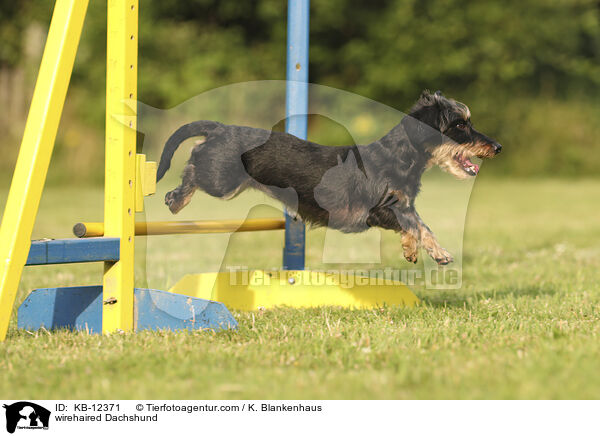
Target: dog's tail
x=197, y=128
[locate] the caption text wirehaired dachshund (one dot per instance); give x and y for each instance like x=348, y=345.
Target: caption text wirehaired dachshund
x=348, y=188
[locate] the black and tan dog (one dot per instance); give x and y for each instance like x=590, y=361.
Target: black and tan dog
x=349, y=188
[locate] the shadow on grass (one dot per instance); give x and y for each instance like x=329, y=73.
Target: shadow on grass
x=452, y=299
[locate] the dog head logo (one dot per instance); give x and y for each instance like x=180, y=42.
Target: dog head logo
x=26, y=415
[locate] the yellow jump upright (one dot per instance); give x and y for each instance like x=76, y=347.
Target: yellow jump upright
x=115, y=305
x=36, y=149
x=120, y=166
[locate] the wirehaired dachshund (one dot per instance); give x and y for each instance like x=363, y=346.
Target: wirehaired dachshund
x=348, y=188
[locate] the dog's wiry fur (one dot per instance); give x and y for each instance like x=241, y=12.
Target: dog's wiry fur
x=349, y=188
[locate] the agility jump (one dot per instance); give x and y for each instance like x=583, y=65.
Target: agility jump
x=116, y=305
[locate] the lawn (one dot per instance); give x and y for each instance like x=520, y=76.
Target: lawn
x=524, y=324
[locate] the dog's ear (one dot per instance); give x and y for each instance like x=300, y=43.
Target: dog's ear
x=428, y=99
x=425, y=99
x=422, y=126
x=420, y=133
x=425, y=95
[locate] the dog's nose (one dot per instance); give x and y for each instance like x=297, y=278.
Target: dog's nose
x=497, y=147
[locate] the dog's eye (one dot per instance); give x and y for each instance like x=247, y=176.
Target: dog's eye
x=461, y=126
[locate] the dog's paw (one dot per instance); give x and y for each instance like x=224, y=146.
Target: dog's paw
x=171, y=200
x=411, y=257
x=442, y=257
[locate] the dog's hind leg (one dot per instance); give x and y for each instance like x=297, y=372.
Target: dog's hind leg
x=179, y=197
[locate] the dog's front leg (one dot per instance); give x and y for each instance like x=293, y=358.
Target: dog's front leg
x=410, y=245
x=430, y=243
x=402, y=220
x=414, y=232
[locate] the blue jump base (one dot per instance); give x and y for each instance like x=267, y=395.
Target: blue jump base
x=56, y=251
x=80, y=308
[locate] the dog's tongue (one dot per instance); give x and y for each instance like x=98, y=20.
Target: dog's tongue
x=473, y=167
x=469, y=166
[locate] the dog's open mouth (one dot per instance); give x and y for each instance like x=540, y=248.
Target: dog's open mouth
x=468, y=167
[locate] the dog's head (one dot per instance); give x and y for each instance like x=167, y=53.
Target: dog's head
x=442, y=128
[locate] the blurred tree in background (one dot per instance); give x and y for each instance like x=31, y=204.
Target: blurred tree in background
x=530, y=70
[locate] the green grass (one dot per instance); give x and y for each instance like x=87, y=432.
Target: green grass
x=525, y=323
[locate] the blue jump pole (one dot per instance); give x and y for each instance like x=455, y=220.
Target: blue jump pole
x=296, y=108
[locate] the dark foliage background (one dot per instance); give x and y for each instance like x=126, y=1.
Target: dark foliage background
x=529, y=69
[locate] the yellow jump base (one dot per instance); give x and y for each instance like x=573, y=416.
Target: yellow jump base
x=252, y=290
